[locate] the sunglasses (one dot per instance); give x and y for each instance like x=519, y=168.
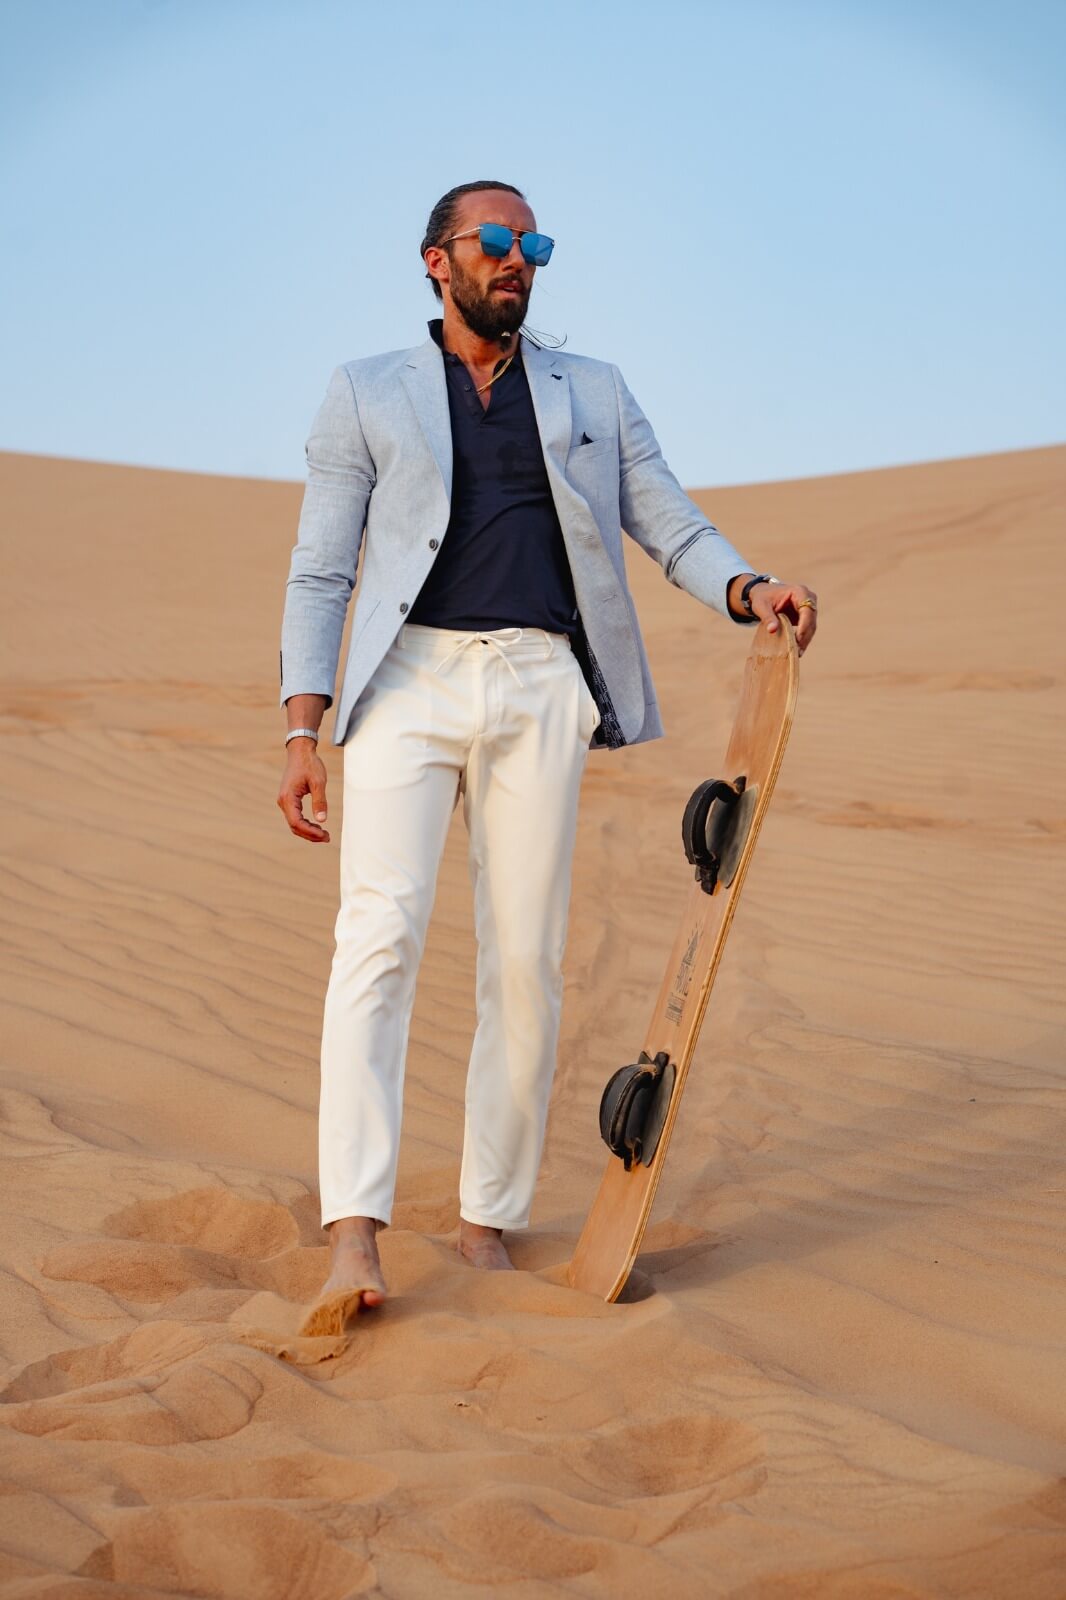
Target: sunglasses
x=496, y=240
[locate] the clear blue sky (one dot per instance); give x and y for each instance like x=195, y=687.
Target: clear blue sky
x=816, y=235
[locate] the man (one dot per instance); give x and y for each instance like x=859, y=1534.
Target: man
x=494, y=642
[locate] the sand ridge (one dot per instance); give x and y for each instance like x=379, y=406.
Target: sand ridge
x=837, y=1370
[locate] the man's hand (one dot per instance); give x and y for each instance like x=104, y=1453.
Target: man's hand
x=798, y=603
x=304, y=773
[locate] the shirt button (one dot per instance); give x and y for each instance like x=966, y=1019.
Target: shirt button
x=403, y=605
x=433, y=544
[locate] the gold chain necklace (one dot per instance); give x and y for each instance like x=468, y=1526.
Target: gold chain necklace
x=496, y=375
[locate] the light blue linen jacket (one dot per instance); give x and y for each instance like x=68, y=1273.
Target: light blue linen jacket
x=379, y=460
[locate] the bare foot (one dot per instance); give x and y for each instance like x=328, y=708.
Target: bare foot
x=483, y=1247
x=355, y=1278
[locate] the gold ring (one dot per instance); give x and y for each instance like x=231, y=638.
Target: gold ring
x=806, y=603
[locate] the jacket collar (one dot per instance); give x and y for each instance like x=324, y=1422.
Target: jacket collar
x=549, y=388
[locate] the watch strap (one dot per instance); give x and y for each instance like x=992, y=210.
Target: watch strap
x=745, y=593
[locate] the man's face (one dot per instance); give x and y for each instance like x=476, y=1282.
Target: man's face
x=490, y=293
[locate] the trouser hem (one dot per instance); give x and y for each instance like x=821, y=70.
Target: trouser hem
x=349, y=1211
x=493, y=1222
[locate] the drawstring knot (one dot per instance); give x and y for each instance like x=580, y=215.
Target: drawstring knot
x=500, y=646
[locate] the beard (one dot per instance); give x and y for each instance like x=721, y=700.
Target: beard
x=487, y=317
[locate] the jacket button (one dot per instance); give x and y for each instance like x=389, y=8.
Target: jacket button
x=433, y=544
x=403, y=605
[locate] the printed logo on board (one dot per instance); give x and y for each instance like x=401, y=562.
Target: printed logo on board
x=675, y=1005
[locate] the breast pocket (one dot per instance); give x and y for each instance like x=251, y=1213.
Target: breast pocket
x=583, y=455
x=592, y=469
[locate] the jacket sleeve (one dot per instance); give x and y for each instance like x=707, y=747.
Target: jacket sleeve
x=658, y=514
x=340, y=477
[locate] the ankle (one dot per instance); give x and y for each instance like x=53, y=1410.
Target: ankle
x=362, y=1229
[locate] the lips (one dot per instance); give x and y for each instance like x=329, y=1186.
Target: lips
x=509, y=287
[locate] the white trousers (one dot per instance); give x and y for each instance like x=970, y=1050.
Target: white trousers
x=503, y=719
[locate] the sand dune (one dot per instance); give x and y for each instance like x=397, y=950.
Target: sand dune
x=838, y=1368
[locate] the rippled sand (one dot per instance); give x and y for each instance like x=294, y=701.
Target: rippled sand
x=838, y=1369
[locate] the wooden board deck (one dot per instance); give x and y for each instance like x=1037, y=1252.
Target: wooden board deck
x=614, y=1229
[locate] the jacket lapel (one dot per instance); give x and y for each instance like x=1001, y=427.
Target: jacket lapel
x=549, y=388
x=427, y=388
x=601, y=594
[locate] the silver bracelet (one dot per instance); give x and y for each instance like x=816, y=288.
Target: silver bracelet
x=302, y=733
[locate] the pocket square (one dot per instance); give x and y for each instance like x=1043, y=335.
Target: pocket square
x=585, y=439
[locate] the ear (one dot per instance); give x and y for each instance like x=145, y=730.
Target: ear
x=437, y=263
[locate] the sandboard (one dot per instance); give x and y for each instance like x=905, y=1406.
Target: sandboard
x=719, y=831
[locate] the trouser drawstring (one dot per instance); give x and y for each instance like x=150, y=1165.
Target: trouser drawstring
x=501, y=651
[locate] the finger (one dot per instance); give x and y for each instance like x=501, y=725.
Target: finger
x=304, y=828
x=788, y=600
x=762, y=606
x=318, y=797
x=807, y=612
x=768, y=600
x=291, y=802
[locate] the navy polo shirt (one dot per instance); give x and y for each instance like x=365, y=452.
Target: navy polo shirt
x=502, y=561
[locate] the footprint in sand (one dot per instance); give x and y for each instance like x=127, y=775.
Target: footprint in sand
x=202, y=1244
x=681, y=1473
x=506, y=1535
x=689, y=1451
x=213, y=1219
x=206, y=1254
x=220, y=1550
x=160, y=1385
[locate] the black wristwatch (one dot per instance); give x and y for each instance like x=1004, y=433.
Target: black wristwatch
x=745, y=593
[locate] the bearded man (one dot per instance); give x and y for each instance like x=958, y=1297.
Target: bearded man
x=494, y=643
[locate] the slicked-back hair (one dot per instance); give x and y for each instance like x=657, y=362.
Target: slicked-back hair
x=441, y=222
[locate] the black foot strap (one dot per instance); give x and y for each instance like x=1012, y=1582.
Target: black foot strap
x=633, y=1107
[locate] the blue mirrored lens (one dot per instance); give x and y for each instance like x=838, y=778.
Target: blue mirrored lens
x=496, y=240
x=537, y=248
